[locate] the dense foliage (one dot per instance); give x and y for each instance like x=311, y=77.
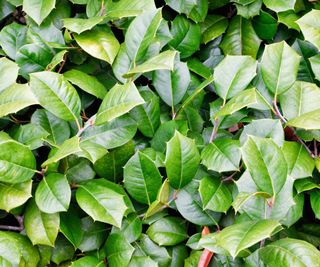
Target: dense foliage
x=159, y=133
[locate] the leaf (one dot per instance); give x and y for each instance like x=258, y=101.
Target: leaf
x=118, y=250
x=279, y=67
x=53, y=193
x=187, y=36
x=315, y=64
x=8, y=73
x=56, y=60
x=214, y=195
x=139, y=261
x=233, y=74
x=266, y=164
x=38, y=10
x=14, y=195
x=182, y=6
x=15, y=98
x=172, y=85
x=41, y=228
x=281, y=5
x=15, y=167
x=250, y=10
x=79, y=25
x=182, y=159
x=168, y=231
x=99, y=42
x=70, y=227
x=310, y=27
x=87, y=261
x=163, y=61
x=141, y=32
x=305, y=184
x=222, y=155
x=234, y=239
x=288, y=252
x=289, y=19
x=102, y=200
x=118, y=101
x=314, y=199
x=131, y=228
x=68, y=147
x=86, y=82
x=265, y=25
x=213, y=27
x=240, y=39
x=142, y=178
x=10, y=253
x=56, y=94
x=308, y=121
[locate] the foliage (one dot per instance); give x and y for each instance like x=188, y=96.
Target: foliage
x=159, y=133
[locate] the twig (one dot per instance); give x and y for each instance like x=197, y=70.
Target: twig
x=278, y=113
x=206, y=255
x=89, y=123
x=214, y=130
x=14, y=228
x=62, y=63
x=315, y=148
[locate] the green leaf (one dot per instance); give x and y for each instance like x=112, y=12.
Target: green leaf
x=87, y=261
x=99, y=42
x=102, y=200
x=15, y=167
x=233, y=74
x=53, y=193
x=79, y=25
x=315, y=200
x=118, y=101
x=187, y=36
x=15, y=98
x=315, y=65
x=142, y=261
x=182, y=160
x=290, y=252
x=14, y=195
x=142, y=178
x=10, y=253
x=265, y=25
x=141, y=33
x=38, y=10
x=56, y=94
x=222, y=155
x=172, y=85
x=214, y=195
x=280, y=5
x=308, y=121
x=8, y=73
x=68, y=147
x=131, y=228
x=289, y=19
x=41, y=228
x=87, y=83
x=305, y=184
x=240, y=39
x=168, y=231
x=266, y=164
x=213, y=27
x=56, y=60
x=118, y=250
x=70, y=227
x=182, y=6
x=279, y=67
x=236, y=238
x=249, y=11
x=310, y=27
x=163, y=61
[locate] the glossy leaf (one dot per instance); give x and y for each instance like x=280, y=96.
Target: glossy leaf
x=38, y=10
x=8, y=73
x=79, y=25
x=310, y=27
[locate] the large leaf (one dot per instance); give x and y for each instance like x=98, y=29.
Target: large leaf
x=236, y=238
x=182, y=160
x=142, y=178
x=79, y=25
x=213, y=27
x=38, y=10
x=233, y=75
x=118, y=101
x=99, y=43
x=8, y=73
x=308, y=121
x=56, y=94
x=266, y=164
x=103, y=201
x=280, y=5
x=279, y=67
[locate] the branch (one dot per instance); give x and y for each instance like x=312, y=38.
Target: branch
x=214, y=130
x=206, y=255
x=88, y=124
x=14, y=228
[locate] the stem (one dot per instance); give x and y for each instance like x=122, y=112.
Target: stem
x=206, y=255
x=277, y=111
x=78, y=124
x=214, y=130
x=62, y=64
x=315, y=148
x=14, y=228
x=89, y=123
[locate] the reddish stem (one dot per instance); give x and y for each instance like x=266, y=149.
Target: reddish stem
x=206, y=255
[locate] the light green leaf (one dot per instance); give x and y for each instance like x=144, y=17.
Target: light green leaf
x=214, y=194
x=15, y=98
x=222, y=155
x=249, y=11
x=99, y=42
x=17, y=162
x=234, y=239
x=87, y=261
x=290, y=252
x=213, y=27
x=79, y=25
x=315, y=203
x=87, y=83
x=266, y=164
x=56, y=94
x=168, y=231
x=280, y=5
x=182, y=160
x=41, y=228
x=131, y=228
x=142, y=178
x=240, y=39
x=70, y=146
x=118, y=101
x=14, y=195
x=56, y=60
x=315, y=65
x=8, y=73
x=305, y=184
x=38, y=10
x=310, y=27
x=182, y=6
x=103, y=201
x=243, y=197
x=163, y=61
x=233, y=74
x=279, y=67
x=142, y=261
x=289, y=19
x=10, y=252
x=308, y=121
x=53, y=193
